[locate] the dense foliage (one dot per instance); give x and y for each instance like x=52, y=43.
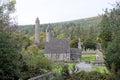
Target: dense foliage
x=93, y=75
x=9, y=49
x=82, y=75
x=9, y=57
x=34, y=64
x=19, y=58
x=110, y=39
x=89, y=43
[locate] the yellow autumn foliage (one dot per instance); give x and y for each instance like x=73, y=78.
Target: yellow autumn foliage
x=33, y=48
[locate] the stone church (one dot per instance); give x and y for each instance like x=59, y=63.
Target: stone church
x=57, y=49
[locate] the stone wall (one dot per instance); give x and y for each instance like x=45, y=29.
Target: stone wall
x=58, y=56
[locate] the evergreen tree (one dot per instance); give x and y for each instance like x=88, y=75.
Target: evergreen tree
x=110, y=39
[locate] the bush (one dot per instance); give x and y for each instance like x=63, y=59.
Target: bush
x=9, y=57
x=35, y=64
x=82, y=75
x=93, y=75
x=33, y=48
x=65, y=72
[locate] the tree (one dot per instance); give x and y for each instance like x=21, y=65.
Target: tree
x=74, y=42
x=89, y=43
x=9, y=56
x=110, y=39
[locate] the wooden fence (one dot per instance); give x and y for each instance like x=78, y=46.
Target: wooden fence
x=47, y=76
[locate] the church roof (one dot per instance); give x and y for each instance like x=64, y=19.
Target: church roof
x=57, y=46
x=76, y=51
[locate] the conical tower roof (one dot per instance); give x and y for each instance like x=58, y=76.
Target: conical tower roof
x=48, y=29
x=37, y=20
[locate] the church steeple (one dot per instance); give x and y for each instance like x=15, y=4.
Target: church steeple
x=48, y=34
x=37, y=31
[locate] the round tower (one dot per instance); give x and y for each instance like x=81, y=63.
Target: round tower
x=48, y=34
x=37, y=31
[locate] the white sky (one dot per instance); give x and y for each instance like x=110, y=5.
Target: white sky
x=50, y=11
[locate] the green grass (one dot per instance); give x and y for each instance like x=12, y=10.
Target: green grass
x=58, y=67
x=88, y=57
x=42, y=51
x=101, y=69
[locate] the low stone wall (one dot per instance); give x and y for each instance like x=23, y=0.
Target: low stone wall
x=47, y=76
x=88, y=51
x=97, y=62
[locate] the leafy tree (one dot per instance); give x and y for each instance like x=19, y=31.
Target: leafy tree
x=9, y=50
x=61, y=36
x=110, y=39
x=89, y=43
x=74, y=42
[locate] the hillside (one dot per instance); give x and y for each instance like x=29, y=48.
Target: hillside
x=82, y=28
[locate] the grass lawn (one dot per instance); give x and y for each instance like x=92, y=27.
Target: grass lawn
x=101, y=69
x=88, y=57
x=58, y=67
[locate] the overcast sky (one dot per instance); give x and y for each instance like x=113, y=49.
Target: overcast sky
x=50, y=11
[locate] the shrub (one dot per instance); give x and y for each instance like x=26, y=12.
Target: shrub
x=93, y=75
x=33, y=48
x=9, y=58
x=35, y=64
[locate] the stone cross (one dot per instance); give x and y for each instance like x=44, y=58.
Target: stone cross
x=79, y=44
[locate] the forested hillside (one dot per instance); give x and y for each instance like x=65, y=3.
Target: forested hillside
x=87, y=29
